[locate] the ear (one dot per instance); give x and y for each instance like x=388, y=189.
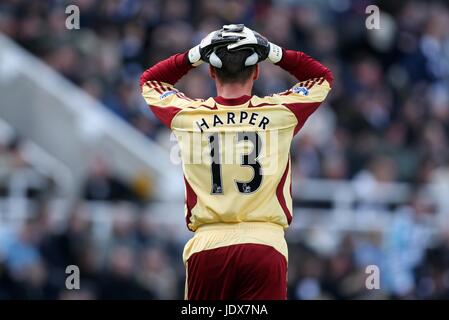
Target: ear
x=212, y=72
x=256, y=72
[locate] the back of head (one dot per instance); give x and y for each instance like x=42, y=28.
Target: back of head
x=233, y=65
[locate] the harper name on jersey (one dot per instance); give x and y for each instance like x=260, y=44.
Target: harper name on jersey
x=232, y=118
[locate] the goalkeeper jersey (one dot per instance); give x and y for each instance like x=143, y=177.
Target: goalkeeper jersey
x=236, y=152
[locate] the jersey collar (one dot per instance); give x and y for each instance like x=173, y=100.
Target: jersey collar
x=232, y=101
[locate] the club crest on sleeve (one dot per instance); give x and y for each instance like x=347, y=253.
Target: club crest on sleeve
x=166, y=94
x=301, y=90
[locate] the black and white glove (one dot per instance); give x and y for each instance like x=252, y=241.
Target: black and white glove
x=205, y=51
x=249, y=39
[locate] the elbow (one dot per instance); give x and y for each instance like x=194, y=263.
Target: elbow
x=329, y=76
x=143, y=78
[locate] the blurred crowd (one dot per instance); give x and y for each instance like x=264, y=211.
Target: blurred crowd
x=122, y=252
x=136, y=260
x=386, y=120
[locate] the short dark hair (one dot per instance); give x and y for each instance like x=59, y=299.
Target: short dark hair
x=233, y=65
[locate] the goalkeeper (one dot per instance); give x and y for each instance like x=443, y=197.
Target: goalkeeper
x=238, y=209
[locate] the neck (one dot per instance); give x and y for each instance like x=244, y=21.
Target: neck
x=234, y=90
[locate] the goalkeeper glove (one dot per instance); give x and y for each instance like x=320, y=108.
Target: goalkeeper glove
x=249, y=39
x=205, y=51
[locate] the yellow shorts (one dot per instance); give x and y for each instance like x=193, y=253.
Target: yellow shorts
x=216, y=235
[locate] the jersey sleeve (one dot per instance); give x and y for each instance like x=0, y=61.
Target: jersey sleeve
x=315, y=82
x=157, y=87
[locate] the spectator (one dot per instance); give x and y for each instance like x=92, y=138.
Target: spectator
x=102, y=185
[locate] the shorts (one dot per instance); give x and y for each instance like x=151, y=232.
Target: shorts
x=240, y=261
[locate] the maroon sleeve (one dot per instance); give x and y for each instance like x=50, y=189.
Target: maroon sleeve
x=304, y=67
x=169, y=70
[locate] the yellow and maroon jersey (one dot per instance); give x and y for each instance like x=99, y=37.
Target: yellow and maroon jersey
x=236, y=152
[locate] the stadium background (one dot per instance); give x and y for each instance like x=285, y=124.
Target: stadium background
x=370, y=168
